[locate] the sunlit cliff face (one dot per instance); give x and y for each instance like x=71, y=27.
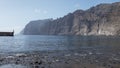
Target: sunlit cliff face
x=102, y=19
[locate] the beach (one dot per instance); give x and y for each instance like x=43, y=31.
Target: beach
x=83, y=58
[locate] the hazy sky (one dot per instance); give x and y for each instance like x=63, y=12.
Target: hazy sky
x=15, y=14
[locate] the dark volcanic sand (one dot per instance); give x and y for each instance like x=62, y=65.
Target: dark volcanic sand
x=82, y=58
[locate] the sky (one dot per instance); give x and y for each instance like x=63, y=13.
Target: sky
x=15, y=14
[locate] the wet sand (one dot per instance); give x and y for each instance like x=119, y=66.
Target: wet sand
x=82, y=58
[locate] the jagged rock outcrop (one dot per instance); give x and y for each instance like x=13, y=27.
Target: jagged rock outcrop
x=103, y=19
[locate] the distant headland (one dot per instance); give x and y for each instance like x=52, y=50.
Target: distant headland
x=103, y=19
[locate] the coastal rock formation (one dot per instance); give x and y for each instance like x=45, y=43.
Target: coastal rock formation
x=103, y=19
x=37, y=27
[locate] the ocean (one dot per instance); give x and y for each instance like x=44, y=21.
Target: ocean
x=29, y=43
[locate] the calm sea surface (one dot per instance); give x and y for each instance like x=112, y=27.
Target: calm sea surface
x=24, y=43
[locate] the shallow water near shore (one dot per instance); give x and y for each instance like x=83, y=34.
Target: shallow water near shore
x=13, y=66
x=31, y=43
x=37, y=51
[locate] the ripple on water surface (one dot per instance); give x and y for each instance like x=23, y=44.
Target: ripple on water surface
x=13, y=66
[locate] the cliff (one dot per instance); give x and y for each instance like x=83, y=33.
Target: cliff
x=103, y=19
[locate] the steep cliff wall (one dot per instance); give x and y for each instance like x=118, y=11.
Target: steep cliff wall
x=103, y=19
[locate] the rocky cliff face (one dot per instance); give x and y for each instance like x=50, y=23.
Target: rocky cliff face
x=103, y=19
x=37, y=27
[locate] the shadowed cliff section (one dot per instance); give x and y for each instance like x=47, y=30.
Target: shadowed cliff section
x=103, y=19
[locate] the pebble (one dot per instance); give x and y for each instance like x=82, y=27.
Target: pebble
x=90, y=53
x=56, y=60
x=38, y=62
x=9, y=57
x=83, y=54
x=68, y=55
x=76, y=54
x=1, y=60
x=21, y=55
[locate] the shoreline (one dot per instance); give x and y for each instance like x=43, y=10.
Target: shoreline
x=86, y=58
